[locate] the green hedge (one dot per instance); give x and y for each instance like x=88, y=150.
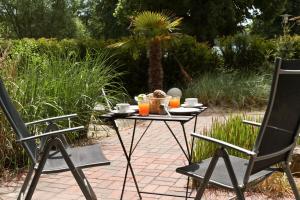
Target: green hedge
x=240, y=52
x=196, y=58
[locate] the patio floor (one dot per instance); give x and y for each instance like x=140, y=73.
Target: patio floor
x=154, y=162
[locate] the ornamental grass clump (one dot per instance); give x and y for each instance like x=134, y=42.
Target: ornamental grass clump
x=232, y=130
x=232, y=89
x=48, y=84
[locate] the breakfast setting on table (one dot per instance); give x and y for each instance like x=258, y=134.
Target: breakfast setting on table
x=160, y=103
x=160, y=106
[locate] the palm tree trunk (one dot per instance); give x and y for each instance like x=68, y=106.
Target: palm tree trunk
x=155, y=70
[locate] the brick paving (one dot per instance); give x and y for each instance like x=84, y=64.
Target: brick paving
x=154, y=162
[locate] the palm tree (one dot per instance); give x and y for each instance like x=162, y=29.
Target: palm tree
x=153, y=28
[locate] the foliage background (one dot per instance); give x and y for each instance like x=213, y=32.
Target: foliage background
x=205, y=20
x=234, y=54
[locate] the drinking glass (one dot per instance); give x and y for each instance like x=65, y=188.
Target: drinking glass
x=144, y=107
x=174, y=102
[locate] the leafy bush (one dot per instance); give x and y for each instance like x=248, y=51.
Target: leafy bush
x=184, y=52
x=195, y=58
x=51, y=84
x=246, y=52
x=134, y=65
x=234, y=90
x=288, y=47
x=237, y=53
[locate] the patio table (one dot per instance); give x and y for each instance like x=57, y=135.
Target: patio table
x=182, y=119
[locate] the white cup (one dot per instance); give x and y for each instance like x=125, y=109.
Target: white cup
x=191, y=101
x=122, y=107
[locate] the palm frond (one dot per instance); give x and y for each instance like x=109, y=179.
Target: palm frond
x=174, y=24
x=152, y=24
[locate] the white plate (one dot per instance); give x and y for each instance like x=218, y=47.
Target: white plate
x=183, y=110
x=116, y=112
x=194, y=106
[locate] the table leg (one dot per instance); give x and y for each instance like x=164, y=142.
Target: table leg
x=124, y=182
x=128, y=158
x=186, y=155
x=190, y=160
x=142, y=136
x=189, y=154
x=186, y=142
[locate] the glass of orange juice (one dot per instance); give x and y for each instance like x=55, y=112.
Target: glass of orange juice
x=174, y=102
x=144, y=107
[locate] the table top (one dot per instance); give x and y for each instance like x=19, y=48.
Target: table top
x=154, y=117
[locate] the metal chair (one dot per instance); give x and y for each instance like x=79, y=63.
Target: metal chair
x=273, y=147
x=52, y=155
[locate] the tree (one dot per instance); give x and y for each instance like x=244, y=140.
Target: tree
x=269, y=22
x=98, y=17
x=38, y=18
x=104, y=17
x=152, y=28
x=204, y=19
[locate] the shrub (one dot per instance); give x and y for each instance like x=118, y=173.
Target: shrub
x=195, y=58
x=250, y=54
x=287, y=47
x=246, y=52
x=51, y=84
x=183, y=51
x=134, y=65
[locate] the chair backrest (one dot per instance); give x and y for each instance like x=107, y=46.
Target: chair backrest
x=279, y=129
x=16, y=122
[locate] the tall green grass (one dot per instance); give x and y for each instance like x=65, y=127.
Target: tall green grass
x=233, y=130
x=234, y=90
x=52, y=84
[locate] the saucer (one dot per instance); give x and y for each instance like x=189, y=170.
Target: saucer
x=131, y=107
x=127, y=113
x=182, y=111
x=197, y=105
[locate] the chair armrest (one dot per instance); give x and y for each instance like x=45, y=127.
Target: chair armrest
x=257, y=124
x=224, y=144
x=51, y=133
x=51, y=119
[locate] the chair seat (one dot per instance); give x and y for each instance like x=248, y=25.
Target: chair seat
x=82, y=157
x=220, y=174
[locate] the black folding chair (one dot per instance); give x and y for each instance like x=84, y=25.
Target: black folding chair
x=273, y=147
x=52, y=154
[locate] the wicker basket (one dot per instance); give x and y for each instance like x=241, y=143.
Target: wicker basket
x=157, y=105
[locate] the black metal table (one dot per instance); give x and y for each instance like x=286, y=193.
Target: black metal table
x=182, y=119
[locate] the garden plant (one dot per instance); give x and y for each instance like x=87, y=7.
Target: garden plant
x=50, y=84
